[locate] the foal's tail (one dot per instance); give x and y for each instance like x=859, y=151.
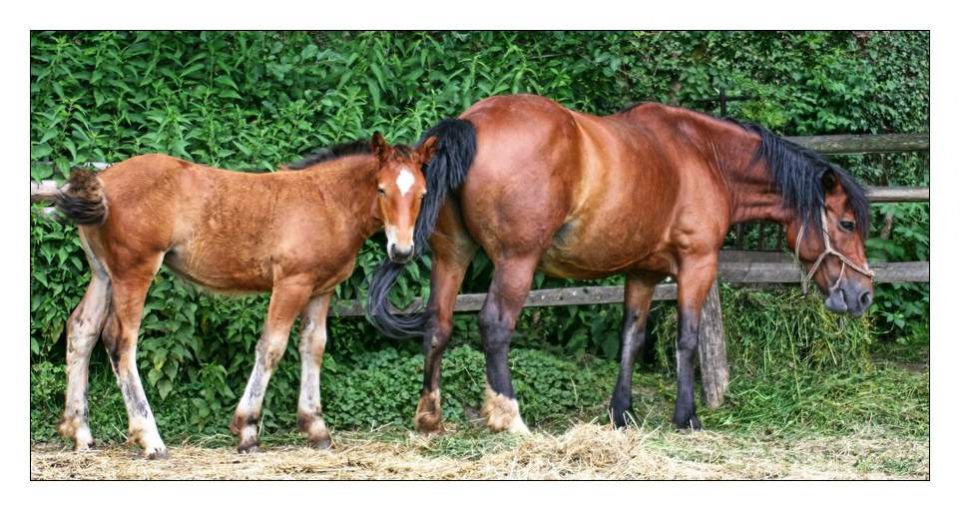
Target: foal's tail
x=83, y=201
x=457, y=145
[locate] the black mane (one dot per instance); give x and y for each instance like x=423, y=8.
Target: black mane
x=344, y=149
x=797, y=173
x=332, y=153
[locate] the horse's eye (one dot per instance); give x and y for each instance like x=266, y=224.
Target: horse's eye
x=847, y=225
x=381, y=192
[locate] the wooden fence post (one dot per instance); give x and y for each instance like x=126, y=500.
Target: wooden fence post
x=714, y=372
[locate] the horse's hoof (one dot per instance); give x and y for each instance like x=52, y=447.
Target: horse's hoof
x=83, y=444
x=77, y=432
x=157, y=454
x=248, y=448
x=621, y=418
x=324, y=444
x=518, y=427
x=429, y=418
x=691, y=423
x=427, y=423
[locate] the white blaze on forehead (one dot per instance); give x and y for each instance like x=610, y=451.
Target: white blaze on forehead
x=404, y=181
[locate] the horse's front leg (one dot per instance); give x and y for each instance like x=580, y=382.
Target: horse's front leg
x=638, y=293
x=498, y=319
x=287, y=300
x=452, y=255
x=694, y=280
x=313, y=340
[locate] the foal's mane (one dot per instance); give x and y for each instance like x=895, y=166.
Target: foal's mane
x=331, y=153
x=345, y=149
x=797, y=173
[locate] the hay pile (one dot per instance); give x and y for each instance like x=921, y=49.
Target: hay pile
x=586, y=451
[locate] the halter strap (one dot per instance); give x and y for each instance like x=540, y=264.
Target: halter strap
x=827, y=250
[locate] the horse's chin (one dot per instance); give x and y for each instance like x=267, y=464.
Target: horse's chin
x=836, y=302
x=401, y=259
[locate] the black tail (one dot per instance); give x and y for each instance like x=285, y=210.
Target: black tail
x=445, y=173
x=83, y=201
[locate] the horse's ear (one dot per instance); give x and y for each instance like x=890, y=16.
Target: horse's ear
x=427, y=150
x=829, y=181
x=378, y=146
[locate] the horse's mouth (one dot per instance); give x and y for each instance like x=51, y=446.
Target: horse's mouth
x=839, y=303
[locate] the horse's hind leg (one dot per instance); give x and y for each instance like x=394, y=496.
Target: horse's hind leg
x=313, y=339
x=498, y=319
x=83, y=330
x=289, y=297
x=638, y=293
x=120, y=339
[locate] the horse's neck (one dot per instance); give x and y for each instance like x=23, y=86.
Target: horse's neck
x=351, y=183
x=754, y=198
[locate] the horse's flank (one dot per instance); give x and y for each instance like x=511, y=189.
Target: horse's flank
x=231, y=231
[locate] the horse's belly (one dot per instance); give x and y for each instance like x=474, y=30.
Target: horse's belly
x=594, y=251
x=226, y=272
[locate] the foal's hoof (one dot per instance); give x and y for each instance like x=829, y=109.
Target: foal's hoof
x=77, y=432
x=324, y=443
x=313, y=426
x=248, y=447
x=156, y=454
x=83, y=443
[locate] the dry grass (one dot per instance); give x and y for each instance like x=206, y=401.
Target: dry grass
x=585, y=451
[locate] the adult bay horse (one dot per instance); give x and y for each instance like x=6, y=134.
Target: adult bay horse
x=648, y=192
x=295, y=234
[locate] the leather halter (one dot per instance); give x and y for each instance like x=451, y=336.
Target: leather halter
x=827, y=250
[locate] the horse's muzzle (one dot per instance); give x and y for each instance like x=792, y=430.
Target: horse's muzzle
x=400, y=255
x=850, y=298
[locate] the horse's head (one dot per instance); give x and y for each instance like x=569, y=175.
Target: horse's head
x=401, y=187
x=832, y=249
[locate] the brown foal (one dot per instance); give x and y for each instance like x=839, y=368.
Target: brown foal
x=295, y=234
x=648, y=192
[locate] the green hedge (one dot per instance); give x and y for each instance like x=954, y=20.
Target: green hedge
x=253, y=100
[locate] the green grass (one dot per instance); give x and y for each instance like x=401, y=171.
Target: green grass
x=884, y=397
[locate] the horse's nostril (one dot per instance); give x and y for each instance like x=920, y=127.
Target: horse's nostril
x=866, y=298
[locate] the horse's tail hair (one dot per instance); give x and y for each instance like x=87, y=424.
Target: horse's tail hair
x=445, y=173
x=83, y=200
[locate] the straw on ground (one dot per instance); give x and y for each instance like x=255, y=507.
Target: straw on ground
x=585, y=451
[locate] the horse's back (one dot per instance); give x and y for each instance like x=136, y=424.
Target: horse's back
x=209, y=222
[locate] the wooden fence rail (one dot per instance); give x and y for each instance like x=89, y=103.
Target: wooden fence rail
x=865, y=144
x=46, y=190
x=730, y=272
